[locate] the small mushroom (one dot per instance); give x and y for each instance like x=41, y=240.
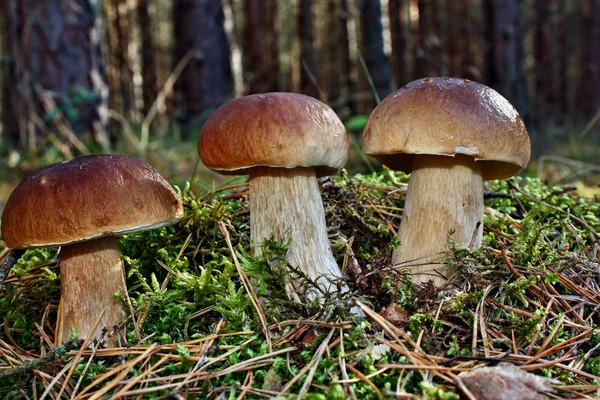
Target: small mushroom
x=83, y=205
x=283, y=141
x=450, y=134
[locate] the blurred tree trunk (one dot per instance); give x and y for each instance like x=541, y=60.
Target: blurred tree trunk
x=346, y=81
x=436, y=37
x=10, y=126
x=56, y=80
x=504, y=66
x=206, y=80
x=520, y=89
x=428, y=51
x=337, y=56
x=543, y=67
x=590, y=58
x=400, y=61
x=308, y=57
x=272, y=76
x=149, y=88
x=330, y=53
x=451, y=37
x=122, y=30
x=260, y=55
x=421, y=67
x=562, y=57
x=468, y=69
x=112, y=75
x=371, y=48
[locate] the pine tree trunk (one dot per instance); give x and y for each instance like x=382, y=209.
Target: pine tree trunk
x=467, y=69
x=436, y=39
x=149, y=86
x=541, y=53
x=520, y=87
x=121, y=51
x=562, y=54
x=254, y=48
x=451, y=38
x=371, y=30
x=272, y=41
x=261, y=46
x=10, y=126
x=206, y=79
x=336, y=56
x=590, y=60
x=421, y=48
x=54, y=47
x=400, y=62
x=330, y=53
x=345, y=72
x=503, y=64
x=308, y=57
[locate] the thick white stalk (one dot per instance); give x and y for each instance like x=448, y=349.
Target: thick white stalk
x=444, y=193
x=90, y=274
x=286, y=205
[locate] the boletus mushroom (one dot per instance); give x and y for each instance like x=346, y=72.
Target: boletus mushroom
x=284, y=141
x=451, y=134
x=83, y=205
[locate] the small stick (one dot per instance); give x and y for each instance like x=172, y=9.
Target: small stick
x=365, y=379
x=493, y=360
x=8, y=263
x=53, y=354
x=496, y=195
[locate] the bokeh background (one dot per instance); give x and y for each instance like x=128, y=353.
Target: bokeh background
x=141, y=76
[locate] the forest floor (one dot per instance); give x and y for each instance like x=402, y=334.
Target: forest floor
x=527, y=301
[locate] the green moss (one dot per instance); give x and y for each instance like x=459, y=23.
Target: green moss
x=183, y=285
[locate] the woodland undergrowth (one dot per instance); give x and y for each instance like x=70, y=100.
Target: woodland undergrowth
x=529, y=296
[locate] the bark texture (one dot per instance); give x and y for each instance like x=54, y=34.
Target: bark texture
x=149, y=68
x=590, y=57
x=308, y=57
x=336, y=56
x=468, y=69
x=444, y=193
x=372, y=49
x=260, y=50
x=429, y=45
x=90, y=274
x=54, y=49
x=399, y=38
x=206, y=80
x=120, y=14
x=542, y=46
x=286, y=205
x=505, y=68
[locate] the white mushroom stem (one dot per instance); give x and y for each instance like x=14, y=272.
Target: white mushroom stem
x=444, y=193
x=91, y=273
x=286, y=205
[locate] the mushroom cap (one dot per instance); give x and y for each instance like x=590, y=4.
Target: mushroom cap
x=448, y=116
x=284, y=130
x=87, y=198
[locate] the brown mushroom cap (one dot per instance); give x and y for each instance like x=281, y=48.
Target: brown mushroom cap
x=87, y=198
x=448, y=116
x=285, y=130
